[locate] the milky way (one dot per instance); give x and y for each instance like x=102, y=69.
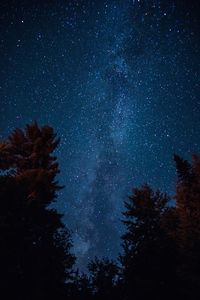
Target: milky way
x=119, y=82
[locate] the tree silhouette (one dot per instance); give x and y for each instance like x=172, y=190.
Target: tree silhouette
x=80, y=287
x=188, y=230
x=104, y=278
x=146, y=257
x=35, y=258
x=161, y=244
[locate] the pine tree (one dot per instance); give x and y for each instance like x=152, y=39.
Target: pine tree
x=188, y=230
x=35, y=258
x=80, y=287
x=103, y=277
x=146, y=258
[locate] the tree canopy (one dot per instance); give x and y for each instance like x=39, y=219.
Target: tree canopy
x=160, y=257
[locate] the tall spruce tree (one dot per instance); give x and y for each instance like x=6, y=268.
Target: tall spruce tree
x=35, y=258
x=188, y=230
x=147, y=253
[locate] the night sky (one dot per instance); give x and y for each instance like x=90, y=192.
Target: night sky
x=119, y=82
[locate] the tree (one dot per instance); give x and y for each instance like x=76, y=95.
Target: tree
x=104, y=277
x=35, y=258
x=80, y=287
x=188, y=230
x=147, y=253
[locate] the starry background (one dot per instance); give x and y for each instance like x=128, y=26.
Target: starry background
x=119, y=82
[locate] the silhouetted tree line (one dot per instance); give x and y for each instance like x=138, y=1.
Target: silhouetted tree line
x=161, y=244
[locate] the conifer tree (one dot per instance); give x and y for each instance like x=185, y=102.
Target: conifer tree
x=146, y=257
x=35, y=258
x=188, y=230
x=103, y=277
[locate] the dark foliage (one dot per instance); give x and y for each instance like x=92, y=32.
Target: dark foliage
x=161, y=243
x=148, y=254
x=188, y=229
x=35, y=259
x=103, y=278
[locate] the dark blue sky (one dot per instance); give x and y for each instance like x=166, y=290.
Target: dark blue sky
x=119, y=82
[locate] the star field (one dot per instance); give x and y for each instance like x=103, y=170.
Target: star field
x=119, y=82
